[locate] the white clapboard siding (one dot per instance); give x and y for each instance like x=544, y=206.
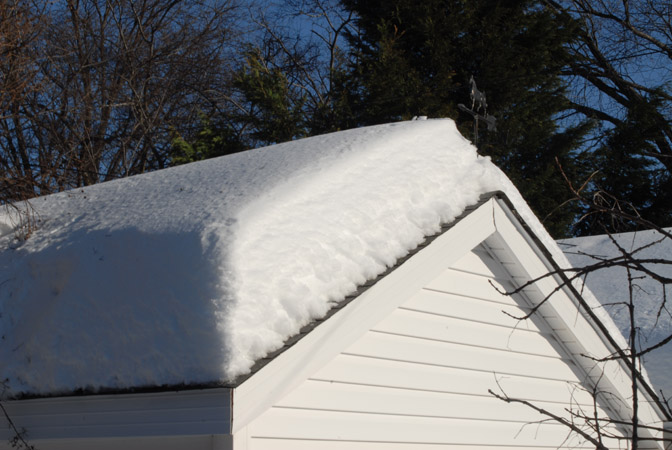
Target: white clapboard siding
x=471, y=286
x=195, y=417
x=418, y=350
x=460, y=331
x=480, y=262
x=421, y=376
x=460, y=307
x=385, y=400
x=358, y=427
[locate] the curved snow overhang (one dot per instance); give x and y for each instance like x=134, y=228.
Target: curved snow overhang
x=362, y=289
x=492, y=219
x=191, y=274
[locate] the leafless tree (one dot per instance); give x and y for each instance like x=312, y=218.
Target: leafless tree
x=608, y=212
x=104, y=85
x=21, y=24
x=289, y=79
x=622, y=67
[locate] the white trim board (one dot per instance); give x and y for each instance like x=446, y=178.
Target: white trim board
x=575, y=328
x=323, y=343
x=494, y=224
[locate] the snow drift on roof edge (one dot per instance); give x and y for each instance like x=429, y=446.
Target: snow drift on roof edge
x=189, y=275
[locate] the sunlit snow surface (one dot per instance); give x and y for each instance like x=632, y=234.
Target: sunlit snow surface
x=189, y=275
x=610, y=286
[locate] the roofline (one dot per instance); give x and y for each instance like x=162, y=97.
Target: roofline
x=259, y=364
x=361, y=289
x=561, y=273
x=547, y=255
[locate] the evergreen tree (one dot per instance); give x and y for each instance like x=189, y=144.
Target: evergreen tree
x=416, y=59
x=406, y=59
x=629, y=179
x=275, y=111
x=288, y=84
x=209, y=141
x=267, y=111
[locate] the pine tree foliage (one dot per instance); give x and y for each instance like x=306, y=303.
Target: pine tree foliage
x=624, y=169
x=275, y=111
x=405, y=59
x=209, y=141
x=289, y=83
x=416, y=59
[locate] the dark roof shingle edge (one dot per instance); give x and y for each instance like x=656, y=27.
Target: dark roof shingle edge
x=362, y=288
x=337, y=306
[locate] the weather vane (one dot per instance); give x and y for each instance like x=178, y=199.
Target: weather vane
x=479, y=102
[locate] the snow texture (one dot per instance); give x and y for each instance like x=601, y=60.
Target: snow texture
x=191, y=274
x=610, y=285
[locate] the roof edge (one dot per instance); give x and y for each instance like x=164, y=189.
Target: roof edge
x=484, y=198
x=305, y=330
x=604, y=331
x=259, y=364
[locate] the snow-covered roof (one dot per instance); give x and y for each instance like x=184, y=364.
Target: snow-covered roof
x=191, y=274
x=610, y=286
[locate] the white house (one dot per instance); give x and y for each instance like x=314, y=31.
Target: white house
x=338, y=292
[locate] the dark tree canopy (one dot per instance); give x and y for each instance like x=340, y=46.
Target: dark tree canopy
x=98, y=89
x=416, y=59
x=621, y=74
x=110, y=82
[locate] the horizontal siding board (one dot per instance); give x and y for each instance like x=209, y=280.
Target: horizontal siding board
x=320, y=395
x=468, y=308
x=402, y=348
x=328, y=425
x=204, y=442
x=285, y=444
x=186, y=399
x=174, y=413
x=468, y=332
x=479, y=262
x=470, y=285
x=380, y=372
x=112, y=420
x=195, y=427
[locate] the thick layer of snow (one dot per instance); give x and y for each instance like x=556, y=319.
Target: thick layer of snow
x=190, y=274
x=611, y=287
